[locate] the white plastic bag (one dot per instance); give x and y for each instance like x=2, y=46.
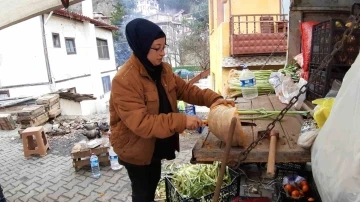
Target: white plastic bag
x=285, y=88
x=336, y=151
x=308, y=133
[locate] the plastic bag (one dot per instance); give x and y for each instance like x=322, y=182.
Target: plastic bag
x=335, y=155
x=322, y=110
x=334, y=89
x=308, y=134
x=285, y=88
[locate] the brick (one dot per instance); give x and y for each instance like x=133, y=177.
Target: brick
x=72, y=183
x=107, y=196
x=29, y=195
x=114, y=179
x=89, y=189
x=120, y=185
x=57, y=185
x=58, y=193
x=17, y=195
x=74, y=190
x=31, y=187
x=43, y=186
x=43, y=195
x=77, y=198
x=86, y=182
x=62, y=199
x=45, y=179
x=105, y=186
x=101, y=180
x=55, y=179
x=17, y=188
x=31, y=181
x=92, y=197
x=32, y=200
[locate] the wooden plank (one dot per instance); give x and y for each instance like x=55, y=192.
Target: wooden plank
x=13, y=12
x=54, y=113
x=291, y=124
x=47, y=99
x=31, y=110
x=88, y=152
x=35, y=122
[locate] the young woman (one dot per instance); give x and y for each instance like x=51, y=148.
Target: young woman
x=144, y=119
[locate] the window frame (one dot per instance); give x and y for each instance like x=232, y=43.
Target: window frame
x=58, y=38
x=106, y=89
x=102, y=50
x=72, y=39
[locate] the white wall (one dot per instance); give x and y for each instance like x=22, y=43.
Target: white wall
x=22, y=53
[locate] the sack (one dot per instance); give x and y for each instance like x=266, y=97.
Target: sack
x=335, y=153
x=306, y=37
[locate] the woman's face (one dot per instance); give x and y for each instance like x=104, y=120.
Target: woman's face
x=157, y=51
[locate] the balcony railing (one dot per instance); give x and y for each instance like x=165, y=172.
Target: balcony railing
x=258, y=34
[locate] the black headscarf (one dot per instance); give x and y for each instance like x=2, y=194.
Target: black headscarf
x=140, y=34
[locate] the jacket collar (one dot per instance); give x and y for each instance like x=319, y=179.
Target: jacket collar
x=138, y=65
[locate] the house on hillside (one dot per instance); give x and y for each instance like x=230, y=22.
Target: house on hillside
x=147, y=7
x=246, y=33
x=59, y=50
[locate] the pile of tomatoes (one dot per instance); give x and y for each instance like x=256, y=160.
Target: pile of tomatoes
x=298, y=190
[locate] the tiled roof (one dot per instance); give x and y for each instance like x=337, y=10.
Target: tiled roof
x=77, y=16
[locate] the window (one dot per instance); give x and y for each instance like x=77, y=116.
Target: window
x=56, y=40
x=103, y=49
x=70, y=46
x=106, y=84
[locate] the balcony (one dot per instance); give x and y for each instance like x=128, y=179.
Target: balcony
x=258, y=34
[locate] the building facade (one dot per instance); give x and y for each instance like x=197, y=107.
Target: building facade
x=59, y=50
x=245, y=32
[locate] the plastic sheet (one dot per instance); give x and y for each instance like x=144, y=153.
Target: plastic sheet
x=336, y=151
x=306, y=37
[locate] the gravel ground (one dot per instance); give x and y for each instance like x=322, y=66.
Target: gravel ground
x=61, y=145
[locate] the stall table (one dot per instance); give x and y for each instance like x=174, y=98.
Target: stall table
x=209, y=148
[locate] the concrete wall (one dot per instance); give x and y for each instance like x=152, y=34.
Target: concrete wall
x=22, y=54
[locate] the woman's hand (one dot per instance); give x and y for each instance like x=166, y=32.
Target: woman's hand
x=193, y=122
x=222, y=101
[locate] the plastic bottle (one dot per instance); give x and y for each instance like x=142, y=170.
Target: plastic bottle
x=248, y=83
x=114, y=160
x=95, y=168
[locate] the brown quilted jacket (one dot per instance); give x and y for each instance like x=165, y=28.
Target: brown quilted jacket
x=134, y=110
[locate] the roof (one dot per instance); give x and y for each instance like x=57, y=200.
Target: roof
x=77, y=16
x=70, y=94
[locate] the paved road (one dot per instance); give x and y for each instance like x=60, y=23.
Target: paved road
x=52, y=178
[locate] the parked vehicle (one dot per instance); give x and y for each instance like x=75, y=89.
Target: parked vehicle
x=184, y=73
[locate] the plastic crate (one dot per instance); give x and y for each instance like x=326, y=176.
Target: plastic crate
x=322, y=85
x=280, y=192
x=227, y=193
x=326, y=34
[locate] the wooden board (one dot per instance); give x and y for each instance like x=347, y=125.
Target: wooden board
x=287, y=149
x=6, y=122
x=35, y=122
x=31, y=111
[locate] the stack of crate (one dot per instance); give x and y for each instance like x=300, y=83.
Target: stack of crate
x=31, y=116
x=6, y=122
x=51, y=102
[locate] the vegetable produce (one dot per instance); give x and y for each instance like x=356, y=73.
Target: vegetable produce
x=293, y=70
x=195, y=181
x=219, y=121
x=262, y=82
x=262, y=113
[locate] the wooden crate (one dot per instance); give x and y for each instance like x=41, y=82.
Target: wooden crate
x=6, y=122
x=41, y=119
x=31, y=112
x=48, y=100
x=81, y=157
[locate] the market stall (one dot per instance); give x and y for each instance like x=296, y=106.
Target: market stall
x=210, y=148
